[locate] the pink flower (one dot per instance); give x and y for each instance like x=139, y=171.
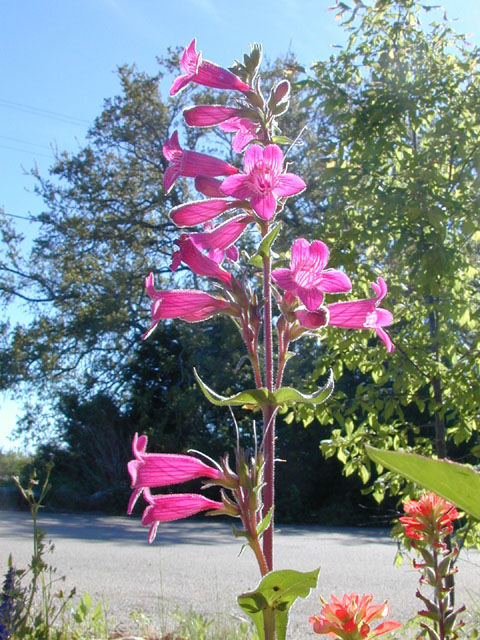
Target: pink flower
x=205, y=73
x=190, y=163
x=429, y=519
x=174, y=506
x=218, y=241
x=193, y=213
x=209, y=115
x=350, y=618
x=312, y=319
x=202, y=265
x=364, y=314
x=263, y=180
x=186, y=304
x=210, y=187
x=245, y=129
x=307, y=278
x=162, y=469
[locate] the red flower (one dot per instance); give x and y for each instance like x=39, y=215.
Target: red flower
x=429, y=519
x=350, y=618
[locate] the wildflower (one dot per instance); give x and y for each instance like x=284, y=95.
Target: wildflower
x=429, y=519
x=364, y=314
x=209, y=115
x=205, y=73
x=190, y=305
x=210, y=187
x=312, y=319
x=202, y=265
x=193, y=213
x=351, y=618
x=307, y=277
x=263, y=180
x=219, y=241
x=245, y=131
x=190, y=163
x=174, y=506
x=149, y=470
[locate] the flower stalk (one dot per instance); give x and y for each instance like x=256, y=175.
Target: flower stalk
x=259, y=192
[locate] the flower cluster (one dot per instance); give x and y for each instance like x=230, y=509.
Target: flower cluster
x=259, y=191
x=429, y=520
x=351, y=618
x=149, y=470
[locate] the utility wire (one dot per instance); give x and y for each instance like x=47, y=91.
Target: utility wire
x=33, y=144
x=46, y=113
x=33, y=153
x=13, y=215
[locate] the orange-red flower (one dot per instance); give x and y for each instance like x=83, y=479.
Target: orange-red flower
x=350, y=618
x=429, y=519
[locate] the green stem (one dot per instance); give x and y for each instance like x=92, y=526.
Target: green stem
x=269, y=623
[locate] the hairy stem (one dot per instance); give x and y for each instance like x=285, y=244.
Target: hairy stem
x=268, y=416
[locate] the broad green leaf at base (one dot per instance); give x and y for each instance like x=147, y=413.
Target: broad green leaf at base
x=274, y=596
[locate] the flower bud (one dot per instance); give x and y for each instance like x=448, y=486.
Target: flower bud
x=281, y=92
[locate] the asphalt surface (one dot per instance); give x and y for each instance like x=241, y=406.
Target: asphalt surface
x=195, y=565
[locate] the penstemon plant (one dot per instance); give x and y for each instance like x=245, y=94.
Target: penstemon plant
x=271, y=302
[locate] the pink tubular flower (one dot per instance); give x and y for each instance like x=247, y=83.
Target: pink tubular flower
x=162, y=469
x=245, y=131
x=307, y=277
x=219, y=240
x=191, y=163
x=209, y=115
x=202, y=265
x=350, y=618
x=210, y=187
x=193, y=213
x=364, y=314
x=312, y=319
x=263, y=180
x=429, y=519
x=186, y=304
x=174, y=506
x=205, y=73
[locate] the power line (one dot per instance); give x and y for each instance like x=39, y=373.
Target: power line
x=12, y=215
x=33, y=144
x=45, y=113
x=32, y=153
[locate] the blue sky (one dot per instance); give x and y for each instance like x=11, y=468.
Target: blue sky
x=58, y=63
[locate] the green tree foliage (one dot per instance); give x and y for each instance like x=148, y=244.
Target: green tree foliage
x=401, y=181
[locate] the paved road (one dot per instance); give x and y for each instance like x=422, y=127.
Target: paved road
x=195, y=564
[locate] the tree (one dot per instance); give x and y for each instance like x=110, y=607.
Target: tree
x=401, y=185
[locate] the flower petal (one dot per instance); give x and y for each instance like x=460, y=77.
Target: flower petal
x=264, y=205
x=289, y=184
x=273, y=159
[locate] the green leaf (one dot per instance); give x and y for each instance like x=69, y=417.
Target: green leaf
x=288, y=395
x=281, y=140
x=457, y=483
x=264, y=523
x=264, y=249
x=271, y=600
x=262, y=397
x=257, y=397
